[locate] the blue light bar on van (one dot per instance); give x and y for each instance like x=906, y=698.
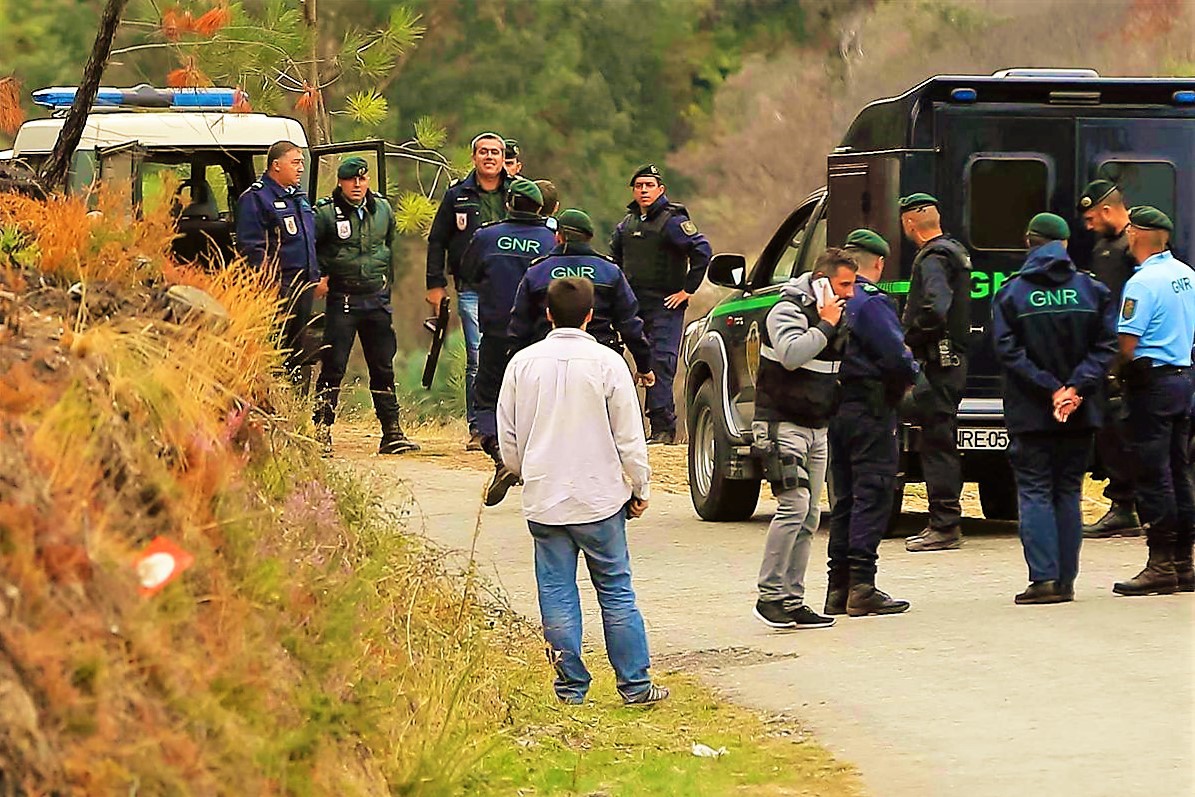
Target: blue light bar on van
x=1184, y=97
x=963, y=95
x=142, y=96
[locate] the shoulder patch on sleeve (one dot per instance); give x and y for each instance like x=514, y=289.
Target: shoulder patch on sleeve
x=688, y=227
x=323, y=202
x=869, y=288
x=1128, y=309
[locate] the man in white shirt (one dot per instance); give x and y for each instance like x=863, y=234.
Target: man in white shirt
x=569, y=425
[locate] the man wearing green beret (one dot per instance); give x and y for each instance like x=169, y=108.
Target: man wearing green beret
x=1052, y=329
x=354, y=236
x=937, y=322
x=1156, y=328
x=1102, y=207
x=877, y=369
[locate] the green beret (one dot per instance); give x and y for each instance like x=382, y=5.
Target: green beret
x=521, y=186
x=868, y=241
x=353, y=166
x=1150, y=218
x=512, y=149
x=1095, y=192
x=647, y=170
x=576, y=221
x=1049, y=225
x=914, y=201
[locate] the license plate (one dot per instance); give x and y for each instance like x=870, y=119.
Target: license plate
x=983, y=439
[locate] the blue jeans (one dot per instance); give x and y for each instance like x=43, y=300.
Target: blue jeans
x=664, y=329
x=604, y=544
x=466, y=305
x=1049, y=470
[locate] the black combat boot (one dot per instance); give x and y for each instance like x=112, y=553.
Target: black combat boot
x=1158, y=577
x=838, y=584
x=1041, y=592
x=1184, y=571
x=936, y=540
x=393, y=439
x=864, y=599
x=1119, y=521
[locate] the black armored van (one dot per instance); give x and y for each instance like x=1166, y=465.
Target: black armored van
x=994, y=150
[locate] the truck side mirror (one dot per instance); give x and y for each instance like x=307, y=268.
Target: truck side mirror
x=729, y=271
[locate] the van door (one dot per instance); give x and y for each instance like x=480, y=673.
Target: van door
x=325, y=160
x=1150, y=160
x=998, y=170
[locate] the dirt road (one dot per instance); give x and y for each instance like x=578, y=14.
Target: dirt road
x=967, y=694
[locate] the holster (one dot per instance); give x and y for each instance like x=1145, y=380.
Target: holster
x=782, y=470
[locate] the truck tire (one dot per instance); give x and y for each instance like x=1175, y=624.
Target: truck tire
x=998, y=496
x=715, y=497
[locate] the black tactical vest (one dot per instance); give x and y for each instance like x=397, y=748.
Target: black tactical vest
x=649, y=264
x=808, y=396
x=958, y=318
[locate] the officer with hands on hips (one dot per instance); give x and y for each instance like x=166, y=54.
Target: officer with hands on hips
x=354, y=232
x=664, y=258
x=615, y=311
x=1156, y=328
x=877, y=369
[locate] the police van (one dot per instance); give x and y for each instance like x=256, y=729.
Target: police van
x=134, y=136
x=994, y=150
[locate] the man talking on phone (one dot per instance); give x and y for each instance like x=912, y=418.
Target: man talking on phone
x=796, y=393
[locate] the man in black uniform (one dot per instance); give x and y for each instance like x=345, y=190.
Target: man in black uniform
x=664, y=257
x=1104, y=213
x=876, y=370
x=937, y=323
x=354, y=239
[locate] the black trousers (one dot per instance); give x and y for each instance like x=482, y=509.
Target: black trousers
x=863, y=463
x=1115, y=461
x=1159, y=425
x=298, y=295
x=936, y=397
x=492, y=358
x=341, y=328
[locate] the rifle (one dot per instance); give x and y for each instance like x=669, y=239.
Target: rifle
x=438, y=326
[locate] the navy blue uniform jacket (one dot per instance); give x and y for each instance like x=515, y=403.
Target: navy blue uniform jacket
x=456, y=221
x=681, y=245
x=495, y=262
x=1052, y=326
x=275, y=223
x=875, y=348
x=615, y=308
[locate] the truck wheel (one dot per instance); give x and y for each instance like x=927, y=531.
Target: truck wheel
x=715, y=497
x=998, y=496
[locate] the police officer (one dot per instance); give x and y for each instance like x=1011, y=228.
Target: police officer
x=275, y=230
x=1052, y=328
x=877, y=369
x=551, y=202
x=1103, y=210
x=495, y=261
x=796, y=393
x=476, y=200
x=512, y=159
x=615, y=310
x=664, y=257
x=1156, y=328
x=937, y=322
x=354, y=233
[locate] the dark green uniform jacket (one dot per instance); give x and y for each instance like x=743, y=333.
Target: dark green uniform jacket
x=354, y=249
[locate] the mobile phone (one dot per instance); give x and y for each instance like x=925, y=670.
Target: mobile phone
x=821, y=291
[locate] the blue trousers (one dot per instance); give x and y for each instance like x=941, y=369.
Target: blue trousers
x=1158, y=426
x=1049, y=469
x=664, y=330
x=604, y=544
x=466, y=305
x=863, y=462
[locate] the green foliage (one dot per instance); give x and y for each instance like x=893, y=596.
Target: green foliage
x=367, y=107
x=429, y=133
x=413, y=213
x=446, y=399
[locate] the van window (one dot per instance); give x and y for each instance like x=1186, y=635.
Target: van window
x=793, y=232
x=1143, y=182
x=815, y=246
x=1003, y=194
